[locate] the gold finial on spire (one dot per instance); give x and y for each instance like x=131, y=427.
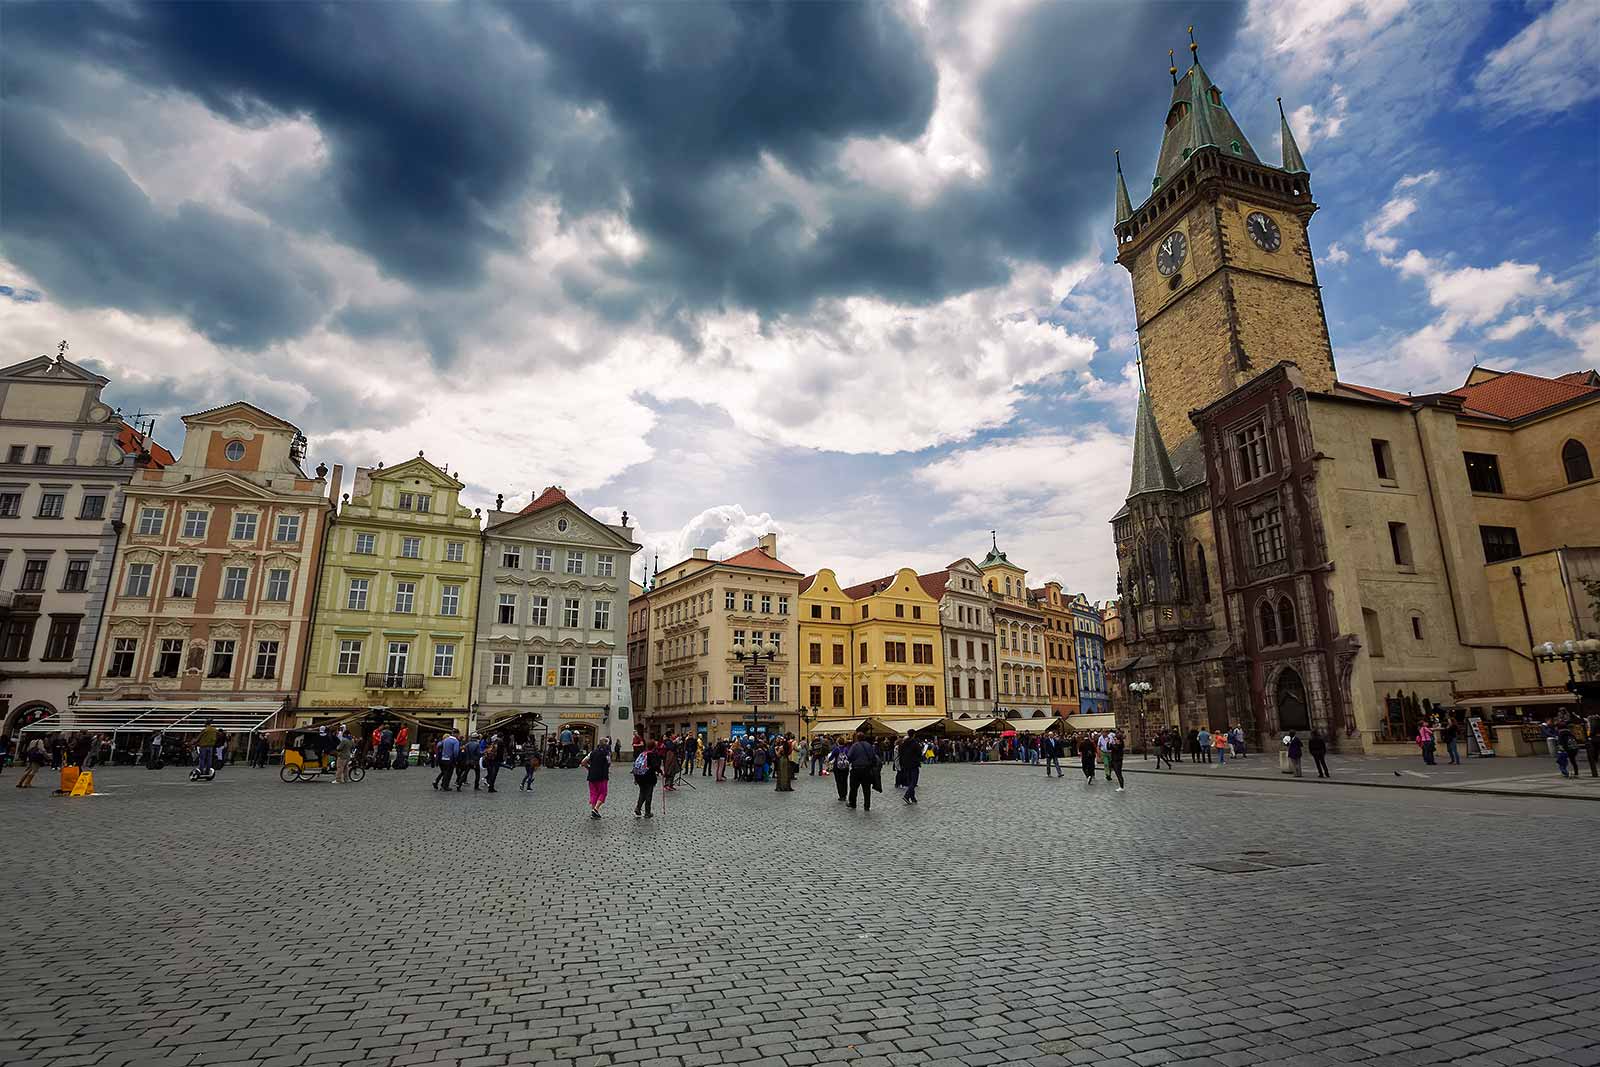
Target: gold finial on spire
x=1172, y=58
x=1194, y=49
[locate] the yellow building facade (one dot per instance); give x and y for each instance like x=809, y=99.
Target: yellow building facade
x=1019, y=628
x=827, y=647
x=397, y=605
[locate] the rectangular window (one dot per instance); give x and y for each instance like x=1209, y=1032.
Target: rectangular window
x=77, y=579
x=1382, y=460
x=244, y=526
x=866, y=694
x=93, y=507
x=411, y=548
x=598, y=672
x=169, y=658
x=151, y=521
x=52, y=505
x=838, y=655
x=774, y=690
x=349, y=657
x=838, y=696
x=814, y=696
x=405, y=502
x=357, y=598
x=816, y=611
x=749, y=602
x=894, y=695
x=1416, y=627
x=138, y=581
x=833, y=613
x=41, y=454
x=366, y=544
x=10, y=505
x=266, y=659
x=605, y=565
x=33, y=572
x=183, y=579
x=511, y=557
x=449, y=600
x=727, y=600
x=923, y=696
x=894, y=652
x=539, y=611
x=775, y=641
x=987, y=691
x=63, y=636
x=444, y=659
x=122, y=654
x=1266, y=536
x=424, y=503
x=194, y=523
x=814, y=655
x=602, y=614
x=738, y=689
x=1499, y=542
x=738, y=639
x=574, y=562
x=783, y=605
x=1483, y=472
x=863, y=659
x=288, y=528
x=766, y=603
x=455, y=551
x=506, y=609
x=570, y=608
x=916, y=611
x=1250, y=447
x=567, y=672
x=278, y=585
x=405, y=597
x=1400, y=544
x=221, y=659
x=922, y=654
x=543, y=559
x=500, y=669
x=233, y=583
x=16, y=639
x=17, y=454
x=899, y=611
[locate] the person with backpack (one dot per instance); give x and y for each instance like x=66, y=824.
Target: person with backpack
x=1291, y=741
x=599, y=764
x=839, y=760
x=491, y=760
x=865, y=764
x=1567, y=749
x=909, y=760
x=646, y=766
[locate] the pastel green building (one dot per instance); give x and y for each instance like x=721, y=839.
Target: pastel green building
x=397, y=602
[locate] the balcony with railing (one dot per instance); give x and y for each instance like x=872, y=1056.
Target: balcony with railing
x=392, y=681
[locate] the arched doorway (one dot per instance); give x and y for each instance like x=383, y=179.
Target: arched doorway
x=1289, y=695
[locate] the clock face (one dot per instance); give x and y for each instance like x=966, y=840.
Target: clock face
x=1263, y=231
x=1170, y=253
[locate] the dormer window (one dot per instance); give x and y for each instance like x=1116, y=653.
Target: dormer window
x=1238, y=149
x=1176, y=115
x=1216, y=96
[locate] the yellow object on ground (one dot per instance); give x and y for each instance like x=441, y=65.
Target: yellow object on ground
x=84, y=786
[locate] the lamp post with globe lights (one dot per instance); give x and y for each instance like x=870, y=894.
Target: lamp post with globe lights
x=1141, y=689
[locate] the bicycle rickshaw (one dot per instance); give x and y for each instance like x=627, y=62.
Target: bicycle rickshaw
x=303, y=760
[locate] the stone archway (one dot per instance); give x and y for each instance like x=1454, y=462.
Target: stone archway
x=27, y=712
x=1289, y=701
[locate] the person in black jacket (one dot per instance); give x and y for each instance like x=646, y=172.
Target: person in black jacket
x=1319, y=753
x=1114, y=752
x=909, y=760
x=864, y=764
x=646, y=781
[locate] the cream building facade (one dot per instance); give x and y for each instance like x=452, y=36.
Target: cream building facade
x=1024, y=690
x=967, y=620
x=65, y=461
x=551, y=647
x=705, y=615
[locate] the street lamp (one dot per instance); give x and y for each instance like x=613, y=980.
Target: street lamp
x=755, y=655
x=1566, y=652
x=1140, y=689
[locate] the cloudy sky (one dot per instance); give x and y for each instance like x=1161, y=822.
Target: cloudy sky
x=839, y=271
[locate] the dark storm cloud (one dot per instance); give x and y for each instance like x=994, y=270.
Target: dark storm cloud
x=91, y=237
x=441, y=120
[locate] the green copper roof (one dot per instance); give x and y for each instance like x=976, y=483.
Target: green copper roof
x=1152, y=468
x=1124, y=206
x=1293, y=161
x=1197, y=118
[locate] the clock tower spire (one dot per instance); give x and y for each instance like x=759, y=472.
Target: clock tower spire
x=1224, y=281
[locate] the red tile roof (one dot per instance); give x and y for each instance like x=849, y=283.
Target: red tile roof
x=934, y=584
x=129, y=442
x=547, y=499
x=1580, y=377
x=807, y=582
x=866, y=589
x=1375, y=393
x=759, y=560
x=1515, y=395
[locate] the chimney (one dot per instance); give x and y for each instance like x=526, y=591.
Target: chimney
x=701, y=553
x=769, y=544
x=336, y=482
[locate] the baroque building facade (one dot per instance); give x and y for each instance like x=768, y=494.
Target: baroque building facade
x=552, y=621
x=210, y=593
x=397, y=603
x=966, y=617
x=1301, y=553
x=1060, y=647
x=899, y=651
x=65, y=462
x=1019, y=639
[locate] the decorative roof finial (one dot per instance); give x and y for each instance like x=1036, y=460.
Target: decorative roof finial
x=993, y=543
x=1172, y=58
x=61, y=351
x=1194, y=49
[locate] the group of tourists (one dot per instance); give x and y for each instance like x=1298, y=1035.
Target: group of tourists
x=1569, y=735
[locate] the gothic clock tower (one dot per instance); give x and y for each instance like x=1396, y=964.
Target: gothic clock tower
x=1224, y=283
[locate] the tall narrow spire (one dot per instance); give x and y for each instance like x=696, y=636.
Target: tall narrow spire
x=1152, y=467
x=1293, y=161
x=1124, y=205
x=1197, y=118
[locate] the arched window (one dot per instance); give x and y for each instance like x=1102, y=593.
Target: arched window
x=1181, y=579
x=1290, y=696
x=1269, y=624
x=1575, y=458
x=1286, y=626
x=1205, y=579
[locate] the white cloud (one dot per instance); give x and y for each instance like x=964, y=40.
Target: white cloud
x=1316, y=32
x=1475, y=296
x=1410, y=181
x=1396, y=210
x=1336, y=254
x=1547, y=68
x=1312, y=126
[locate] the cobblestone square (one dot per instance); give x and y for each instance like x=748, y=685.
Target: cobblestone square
x=1006, y=919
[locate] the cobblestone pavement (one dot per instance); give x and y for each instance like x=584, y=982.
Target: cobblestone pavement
x=1007, y=919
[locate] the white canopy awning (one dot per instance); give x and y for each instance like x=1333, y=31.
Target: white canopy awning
x=175, y=716
x=908, y=726
x=836, y=726
x=1104, y=721
x=1033, y=726
x=1527, y=700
